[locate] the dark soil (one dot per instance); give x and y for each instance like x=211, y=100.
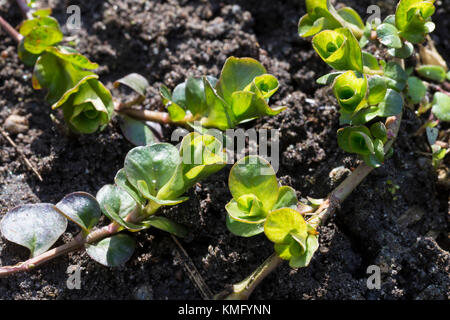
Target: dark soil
x=404, y=231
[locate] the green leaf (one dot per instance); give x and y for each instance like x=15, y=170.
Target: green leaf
x=388, y=35
x=363, y=116
x=195, y=96
x=404, y=52
x=432, y=72
x=121, y=181
x=218, y=114
x=318, y=18
x=113, y=251
x=40, y=33
x=34, y=226
x=375, y=159
x=312, y=244
x=328, y=78
x=202, y=155
x=134, y=81
x=154, y=164
x=86, y=103
x=355, y=139
x=137, y=132
x=351, y=16
x=441, y=106
x=26, y=57
x=392, y=104
x=416, y=90
x=370, y=61
x=377, y=90
x=287, y=198
x=119, y=202
x=81, y=208
x=378, y=130
x=72, y=56
x=350, y=90
x=395, y=76
x=254, y=175
x=176, y=111
x=432, y=135
x=243, y=229
x=339, y=48
x=236, y=74
x=412, y=18
x=247, y=209
x=285, y=224
x=167, y=225
x=88, y=107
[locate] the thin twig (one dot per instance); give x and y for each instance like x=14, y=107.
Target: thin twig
x=25, y=159
x=26, y=11
x=10, y=30
x=192, y=272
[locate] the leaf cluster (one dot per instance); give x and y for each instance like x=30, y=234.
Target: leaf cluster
x=152, y=176
x=259, y=205
x=66, y=75
x=240, y=94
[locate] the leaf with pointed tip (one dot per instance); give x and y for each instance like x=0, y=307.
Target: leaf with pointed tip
x=392, y=104
x=154, y=164
x=350, y=89
x=388, y=35
x=416, y=90
x=404, y=52
x=122, y=181
x=113, y=251
x=287, y=198
x=137, y=132
x=34, y=226
x=285, y=224
x=118, y=201
x=355, y=139
x=71, y=55
x=339, y=48
x=432, y=72
x=81, y=208
x=236, y=74
x=254, y=175
x=441, y=106
x=377, y=90
x=134, y=81
x=370, y=61
x=243, y=229
x=328, y=78
x=395, y=76
x=167, y=225
x=312, y=244
x=201, y=156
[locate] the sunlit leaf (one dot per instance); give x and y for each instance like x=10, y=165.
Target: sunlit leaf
x=34, y=226
x=81, y=208
x=113, y=251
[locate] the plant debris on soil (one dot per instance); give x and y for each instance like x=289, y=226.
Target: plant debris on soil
x=404, y=230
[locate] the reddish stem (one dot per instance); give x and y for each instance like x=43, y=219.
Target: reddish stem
x=10, y=30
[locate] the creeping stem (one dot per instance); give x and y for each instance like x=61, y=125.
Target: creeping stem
x=148, y=115
x=78, y=242
x=10, y=30
x=243, y=289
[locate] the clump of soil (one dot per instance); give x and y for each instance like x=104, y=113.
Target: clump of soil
x=403, y=230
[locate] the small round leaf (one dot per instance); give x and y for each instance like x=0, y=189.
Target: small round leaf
x=81, y=208
x=113, y=251
x=34, y=226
